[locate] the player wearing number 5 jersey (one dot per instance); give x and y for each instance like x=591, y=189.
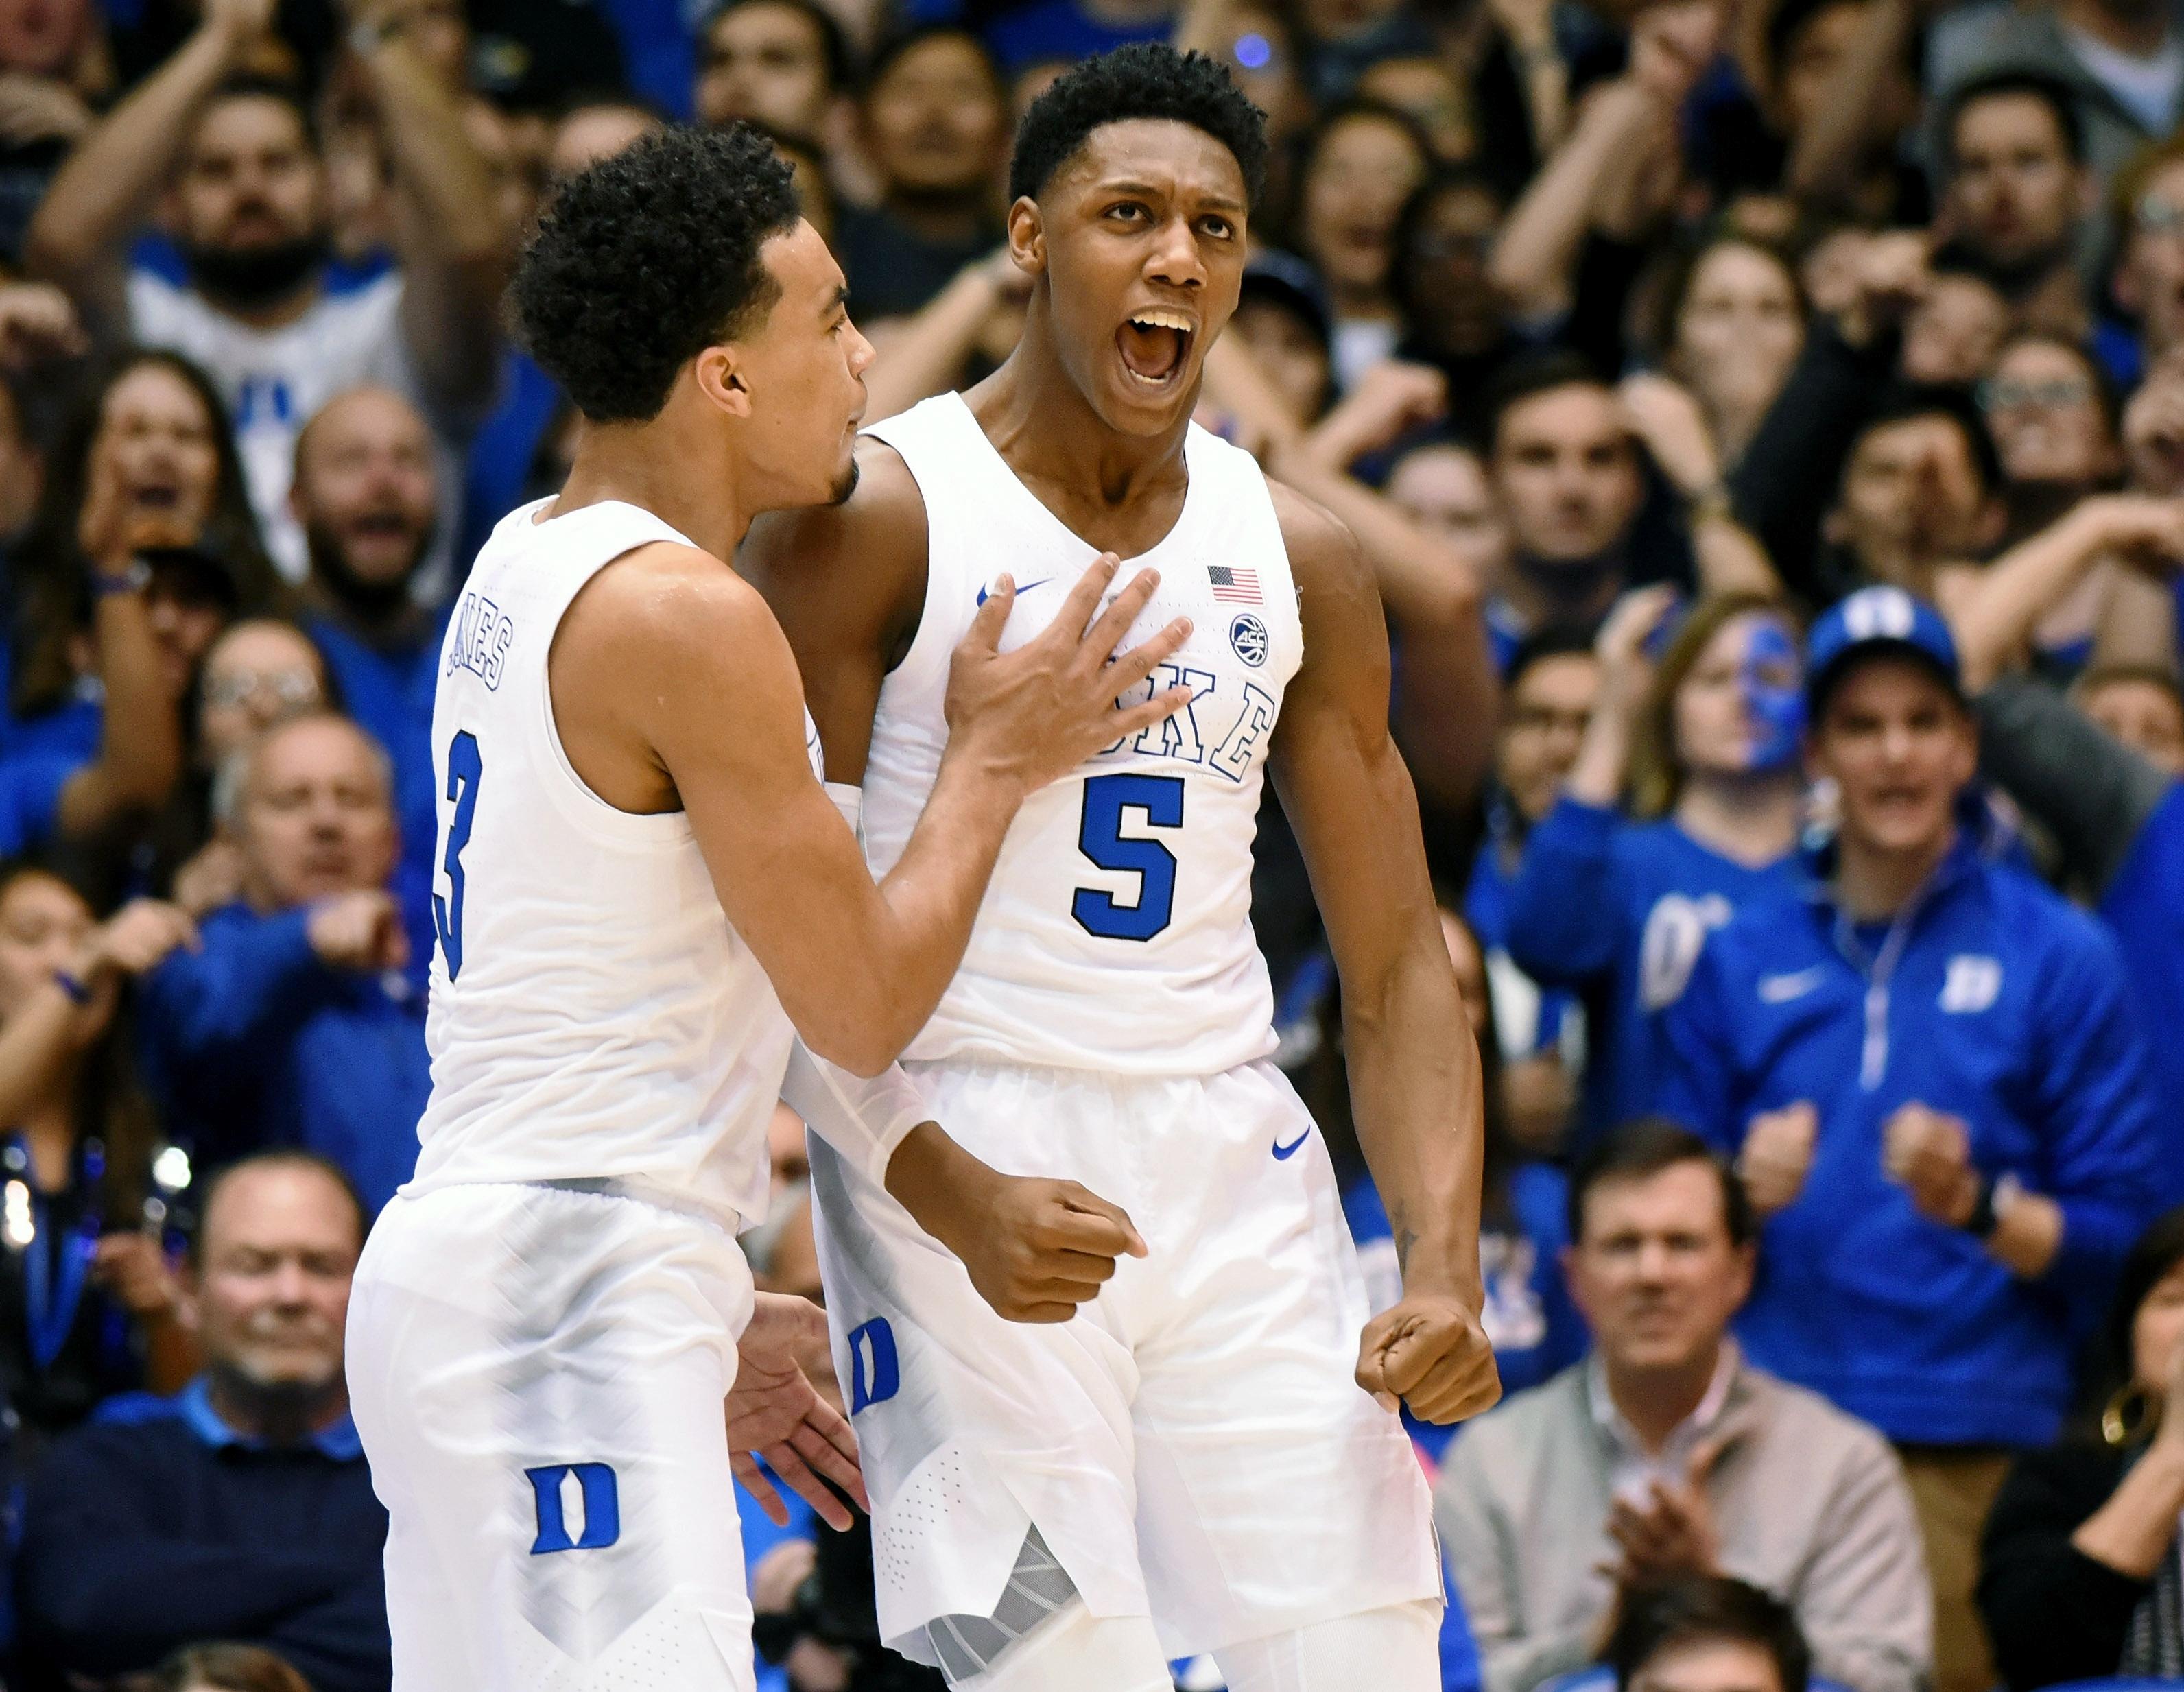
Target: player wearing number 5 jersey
x=1193, y=1459
x=645, y=896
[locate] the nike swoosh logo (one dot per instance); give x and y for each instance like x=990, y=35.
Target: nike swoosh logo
x=1026, y=588
x=1781, y=989
x=1283, y=1153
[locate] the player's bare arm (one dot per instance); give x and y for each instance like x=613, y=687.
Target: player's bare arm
x=847, y=583
x=1414, y=1075
x=667, y=648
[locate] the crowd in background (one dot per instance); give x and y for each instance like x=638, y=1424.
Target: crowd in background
x=1765, y=421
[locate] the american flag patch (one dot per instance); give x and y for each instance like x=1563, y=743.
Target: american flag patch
x=1233, y=585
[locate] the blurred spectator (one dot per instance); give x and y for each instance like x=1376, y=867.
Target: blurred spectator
x=1548, y=698
x=301, y=1020
x=2013, y=154
x=256, y=305
x=2149, y=273
x=2144, y=708
x=1442, y=485
x=1361, y=164
x=1934, y=1086
x=1733, y=324
x=240, y=1510
x=1523, y=1223
x=87, y=1304
x=1454, y=315
x=260, y=672
x=144, y=466
x=2079, y=1577
x=2053, y=418
x=366, y=499
x=1617, y=908
x=2117, y=64
x=1920, y=489
x=1281, y=316
x=53, y=66
x=1667, y=1456
x=1708, y=1633
x=934, y=122
x=1955, y=328
x=595, y=129
x=782, y=64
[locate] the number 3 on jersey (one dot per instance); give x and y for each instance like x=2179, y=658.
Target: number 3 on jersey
x=464, y=767
x=1099, y=838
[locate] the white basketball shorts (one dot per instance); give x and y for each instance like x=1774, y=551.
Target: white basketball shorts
x=537, y=1374
x=1192, y=1444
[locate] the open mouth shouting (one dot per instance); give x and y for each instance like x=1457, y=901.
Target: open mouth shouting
x=1156, y=347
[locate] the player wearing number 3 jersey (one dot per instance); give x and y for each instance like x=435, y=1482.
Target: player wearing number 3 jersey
x=644, y=896
x=1188, y=1455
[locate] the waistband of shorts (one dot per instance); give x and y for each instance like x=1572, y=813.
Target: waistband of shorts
x=632, y=1189
x=1070, y=1075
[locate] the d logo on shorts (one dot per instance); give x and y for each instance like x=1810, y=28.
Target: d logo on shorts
x=875, y=1372
x=596, y=1499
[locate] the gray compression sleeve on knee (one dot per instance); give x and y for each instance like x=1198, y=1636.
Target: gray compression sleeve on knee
x=864, y=1121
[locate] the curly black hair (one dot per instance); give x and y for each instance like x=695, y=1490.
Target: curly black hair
x=1147, y=80
x=646, y=258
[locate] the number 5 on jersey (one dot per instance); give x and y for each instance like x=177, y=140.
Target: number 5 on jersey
x=464, y=766
x=1158, y=800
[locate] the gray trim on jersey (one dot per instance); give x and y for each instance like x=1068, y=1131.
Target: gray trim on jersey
x=1038, y=1587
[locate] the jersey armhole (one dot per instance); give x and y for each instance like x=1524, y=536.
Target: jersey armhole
x=924, y=661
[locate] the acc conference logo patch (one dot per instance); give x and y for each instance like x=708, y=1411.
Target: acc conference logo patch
x=1247, y=636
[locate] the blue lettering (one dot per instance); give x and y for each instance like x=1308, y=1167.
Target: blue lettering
x=602, y=1501
x=874, y=1369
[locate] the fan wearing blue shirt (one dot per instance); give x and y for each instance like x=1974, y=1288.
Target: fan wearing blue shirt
x=1617, y=909
x=366, y=495
x=1927, y=1068
x=1547, y=699
x=241, y=1509
x=300, y=1020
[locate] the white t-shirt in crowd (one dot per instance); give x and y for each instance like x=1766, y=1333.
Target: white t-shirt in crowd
x=2148, y=88
x=273, y=380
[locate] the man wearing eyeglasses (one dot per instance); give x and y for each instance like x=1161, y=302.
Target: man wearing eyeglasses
x=2149, y=277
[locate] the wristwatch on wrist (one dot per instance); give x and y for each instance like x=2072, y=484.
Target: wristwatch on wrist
x=1995, y=1198
x=1712, y=505
x=134, y=578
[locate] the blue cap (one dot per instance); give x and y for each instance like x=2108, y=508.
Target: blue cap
x=1873, y=622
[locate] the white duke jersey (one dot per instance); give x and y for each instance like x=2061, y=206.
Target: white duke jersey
x=592, y=1014
x=1116, y=934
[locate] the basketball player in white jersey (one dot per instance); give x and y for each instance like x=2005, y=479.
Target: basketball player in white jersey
x=644, y=895
x=1204, y=1455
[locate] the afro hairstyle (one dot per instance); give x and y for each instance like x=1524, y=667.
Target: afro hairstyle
x=646, y=258
x=1147, y=80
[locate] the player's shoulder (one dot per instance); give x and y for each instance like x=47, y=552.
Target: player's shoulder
x=663, y=604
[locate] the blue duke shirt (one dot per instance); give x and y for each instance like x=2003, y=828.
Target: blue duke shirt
x=1992, y=999
x=1619, y=912
x=251, y=1041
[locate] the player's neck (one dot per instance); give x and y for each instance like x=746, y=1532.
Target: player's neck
x=680, y=479
x=1040, y=422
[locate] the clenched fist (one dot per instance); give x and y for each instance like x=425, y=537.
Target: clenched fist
x=1777, y=1155
x=1035, y=1249
x=1429, y=1351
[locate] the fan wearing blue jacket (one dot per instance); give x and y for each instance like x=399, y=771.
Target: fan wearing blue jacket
x=1618, y=911
x=1927, y=1068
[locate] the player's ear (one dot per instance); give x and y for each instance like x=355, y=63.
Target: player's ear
x=721, y=377
x=1028, y=238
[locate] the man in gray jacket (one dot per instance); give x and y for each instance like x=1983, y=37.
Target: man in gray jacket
x=1665, y=1454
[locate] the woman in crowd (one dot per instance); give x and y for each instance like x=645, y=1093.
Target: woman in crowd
x=87, y=1304
x=1362, y=164
x=154, y=424
x=1616, y=905
x=1523, y=1224
x=1733, y=324
x=2080, y=1571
